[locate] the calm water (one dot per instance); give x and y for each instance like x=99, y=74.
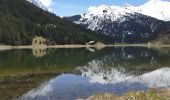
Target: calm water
x=68, y=74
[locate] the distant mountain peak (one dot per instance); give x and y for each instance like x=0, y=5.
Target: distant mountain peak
x=113, y=9
x=115, y=13
x=122, y=23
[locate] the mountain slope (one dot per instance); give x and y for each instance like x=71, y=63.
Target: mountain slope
x=20, y=21
x=123, y=24
x=155, y=8
x=163, y=38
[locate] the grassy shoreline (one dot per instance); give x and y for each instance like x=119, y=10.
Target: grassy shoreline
x=43, y=46
x=8, y=47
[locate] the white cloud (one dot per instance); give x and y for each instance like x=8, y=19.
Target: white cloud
x=46, y=3
x=155, y=8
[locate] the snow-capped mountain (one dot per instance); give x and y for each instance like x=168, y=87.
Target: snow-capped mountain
x=104, y=12
x=38, y=4
x=155, y=8
x=121, y=23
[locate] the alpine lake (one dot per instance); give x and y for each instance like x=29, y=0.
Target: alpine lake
x=69, y=74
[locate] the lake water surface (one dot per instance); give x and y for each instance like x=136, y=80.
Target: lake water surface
x=69, y=74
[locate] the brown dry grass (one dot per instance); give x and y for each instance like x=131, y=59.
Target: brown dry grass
x=152, y=94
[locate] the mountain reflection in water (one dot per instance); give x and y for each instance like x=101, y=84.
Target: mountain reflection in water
x=119, y=71
x=81, y=72
x=70, y=86
x=155, y=79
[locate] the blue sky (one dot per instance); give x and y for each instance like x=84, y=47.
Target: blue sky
x=73, y=7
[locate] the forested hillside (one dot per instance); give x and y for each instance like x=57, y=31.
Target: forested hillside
x=20, y=21
x=163, y=38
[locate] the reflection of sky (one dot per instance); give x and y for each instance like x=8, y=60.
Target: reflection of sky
x=69, y=86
